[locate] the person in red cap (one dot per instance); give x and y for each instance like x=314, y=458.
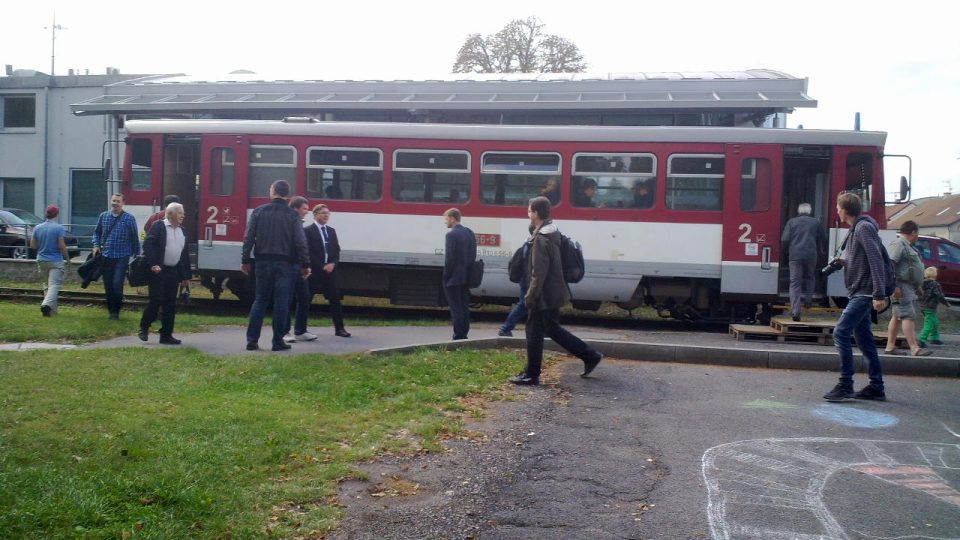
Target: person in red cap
x=48, y=241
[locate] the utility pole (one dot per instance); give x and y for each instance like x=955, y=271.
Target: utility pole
x=53, y=42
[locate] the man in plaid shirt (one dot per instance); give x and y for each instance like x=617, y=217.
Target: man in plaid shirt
x=116, y=238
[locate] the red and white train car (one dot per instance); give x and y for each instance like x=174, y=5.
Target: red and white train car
x=687, y=219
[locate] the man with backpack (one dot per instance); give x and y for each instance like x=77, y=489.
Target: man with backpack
x=909, y=272
x=865, y=278
x=547, y=292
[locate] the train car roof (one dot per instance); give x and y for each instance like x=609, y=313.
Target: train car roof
x=394, y=130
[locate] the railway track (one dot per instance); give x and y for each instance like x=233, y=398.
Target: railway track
x=226, y=307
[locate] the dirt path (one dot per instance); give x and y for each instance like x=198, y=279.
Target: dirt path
x=551, y=465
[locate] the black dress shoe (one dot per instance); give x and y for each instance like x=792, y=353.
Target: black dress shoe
x=143, y=334
x=253, y=347
x=281, y=347
x=170, y=340
x=589, y=365
x=341, y=333
x=525, y=380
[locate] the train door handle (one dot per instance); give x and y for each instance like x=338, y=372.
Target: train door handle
x=765, y=254
x=208, y=237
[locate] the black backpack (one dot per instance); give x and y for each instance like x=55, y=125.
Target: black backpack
x=517, y=266
x=571, y=259
x=889, y=271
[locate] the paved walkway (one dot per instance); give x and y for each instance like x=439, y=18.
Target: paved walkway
x=663, y=346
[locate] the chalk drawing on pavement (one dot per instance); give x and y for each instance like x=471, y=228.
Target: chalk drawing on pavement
x=854, y=417
x=775, y=488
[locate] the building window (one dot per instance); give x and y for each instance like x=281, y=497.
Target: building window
x=439, y=176
x=17, y=193
x=18, y=111
x=269, y=164
x=513, y=178
x=614, y=180
x=88, y=198
x=695, y=182
x=345, y=173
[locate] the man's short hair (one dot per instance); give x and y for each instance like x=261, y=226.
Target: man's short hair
x=170, y=199
x=173, y=208
x=281, y=188
x=804, y=209
x=454, y=213
x=118, y=194
x=850, y=203
x=588, y=183
x=909, y=227
x=541, y=206
x=320, y=208
x=298, y=201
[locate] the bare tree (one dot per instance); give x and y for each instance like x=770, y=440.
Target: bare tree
x=519, y=47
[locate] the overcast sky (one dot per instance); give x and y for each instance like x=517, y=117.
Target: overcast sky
x=898, y=64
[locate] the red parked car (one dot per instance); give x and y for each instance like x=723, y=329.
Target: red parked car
x=945, y=256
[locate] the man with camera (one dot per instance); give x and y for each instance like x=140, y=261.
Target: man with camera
x=866, y=286
x=804, y=238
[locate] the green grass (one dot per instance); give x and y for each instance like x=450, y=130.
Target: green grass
x=172, y=444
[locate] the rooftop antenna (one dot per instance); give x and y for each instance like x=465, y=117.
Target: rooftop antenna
x=53, y=41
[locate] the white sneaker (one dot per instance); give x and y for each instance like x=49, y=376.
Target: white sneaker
x=306, y=336
x=289, y=338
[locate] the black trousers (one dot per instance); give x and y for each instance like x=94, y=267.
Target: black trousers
x=327, y=285
x=163, y=299
x=546, y=322
x=458, y=297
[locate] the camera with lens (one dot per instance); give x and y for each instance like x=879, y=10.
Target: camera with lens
x=831, y=267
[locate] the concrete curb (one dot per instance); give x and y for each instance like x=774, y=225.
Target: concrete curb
x=927, y=366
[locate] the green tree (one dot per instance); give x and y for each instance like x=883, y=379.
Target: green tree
x=519, y=47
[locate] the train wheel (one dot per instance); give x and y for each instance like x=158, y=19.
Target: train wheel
x=840, y=301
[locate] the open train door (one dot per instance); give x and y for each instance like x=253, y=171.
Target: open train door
x=751, y=219
x=223, y=202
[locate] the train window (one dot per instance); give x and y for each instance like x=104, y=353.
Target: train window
x=614, y=180
x=513, y=178
x=756, y=176
x=222, y=174
x=440, y=176
x=345, y=173
x=860, y=176
x=141, y=158
x=695, y=182
x=269, y=164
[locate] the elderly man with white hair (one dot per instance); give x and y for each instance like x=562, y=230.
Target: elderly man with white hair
x=803, y=238
x=165, y=251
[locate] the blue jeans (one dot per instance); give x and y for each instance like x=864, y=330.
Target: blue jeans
x=517, y=314
x=855, y=321
x=273, y=286
x=300, y=297
x=114, y=274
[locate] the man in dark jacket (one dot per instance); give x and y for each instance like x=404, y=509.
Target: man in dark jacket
x=546, y=293
x=459, y=253
x=168, y=259
x=274, y=232
x=324, y=258
x=864, y=277
x=804, y=239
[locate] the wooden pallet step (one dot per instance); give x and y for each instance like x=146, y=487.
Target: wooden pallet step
x=785, y=324
x=745, y=332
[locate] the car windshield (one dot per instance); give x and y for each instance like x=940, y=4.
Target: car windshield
x=25, y=217
x=9, y=218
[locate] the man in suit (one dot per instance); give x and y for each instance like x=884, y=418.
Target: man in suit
x=324, y=250
x=459, y=254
